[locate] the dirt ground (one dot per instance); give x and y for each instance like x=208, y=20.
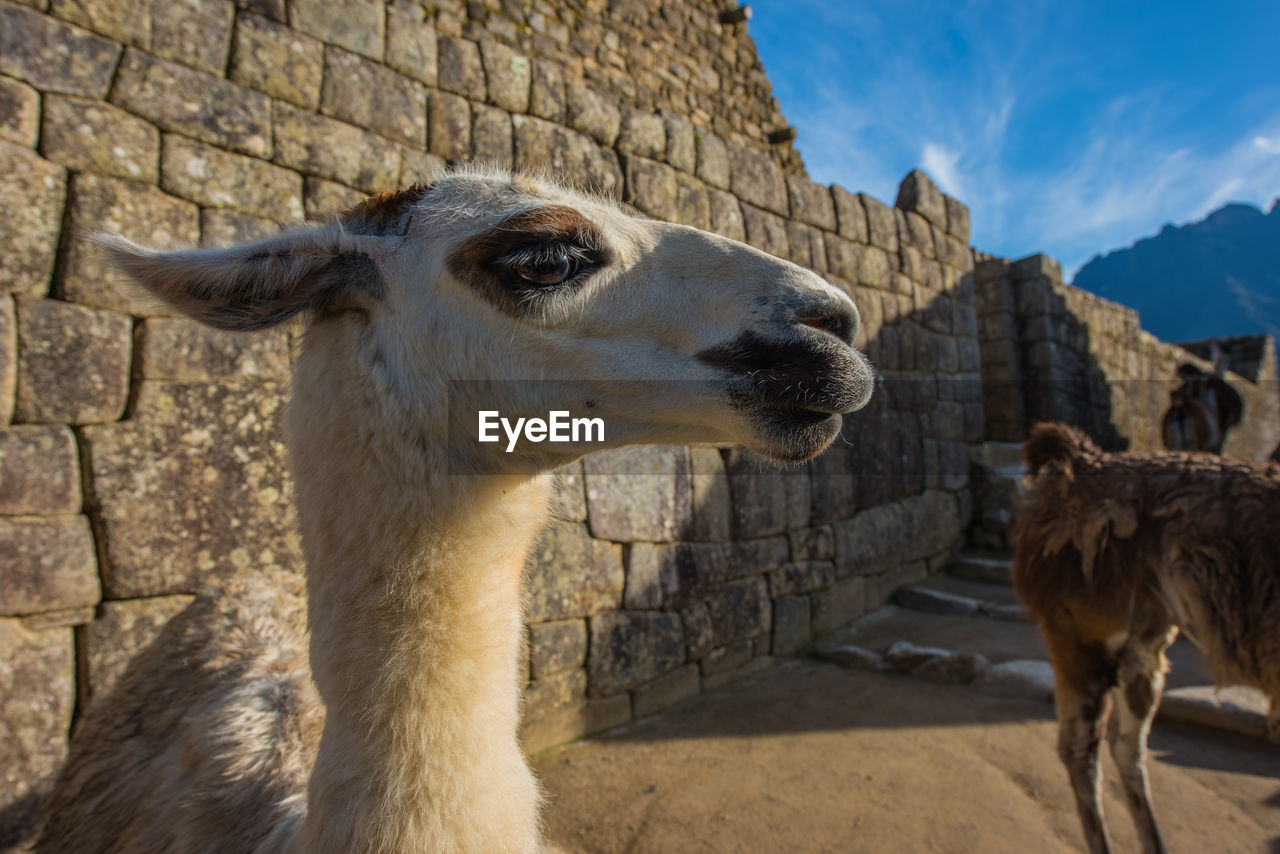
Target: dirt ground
x=811, y=757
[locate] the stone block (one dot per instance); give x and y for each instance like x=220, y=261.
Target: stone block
x=712, y=503
x=37, y=683
x=644, y=579
x=570, y=502
x=693, y=202
x=509, y=76
x=756, y=179
x=193, y=32
x=492, y=137
x=696, y=621
x=547, y=99
x=412, y=41
x=851, y=216
x=681, y=151
x=572, y=575
x=119, y=20
x=201, y=106
x=640, y=494
x=832, y=479
x=227, y=228
x=918, y=193
x=73, y=363
x=8, y=357
x=592, y=113
x=845, y=601
x=555, y=691
x=32, y=192
x=357, y=25
x=140, y=212
x=726, y=215
x=273, y=9
x=665, y=691
x=372, y=96
x=817, y=543
x=19, y=113
x=760, y=497
x=1034, y=267
x=629, y=649
x=215, y=178
x=808, y=247
x=180, y=507
x=811, y=202
x=742, y=611
x=277, y=60
x=94, y=136
x=179, y=350
x=53, y=56
x=713, y=160
x=47, y=563
x=757, y=557
x=121, y=631
x=915, y=230
x=643, y=134
x=766, y=232
x=417, y=167
x=651, y=186
x=567, y=723
x=557, y=646
x=39, y=471
x=798, y=577
x=868, y=538
x=882, y=226
x=449, y=126
x=726, y=659
x=324, y=200
x=332, y=149
x=791, y=624
x=460, y=68
x=690, y=572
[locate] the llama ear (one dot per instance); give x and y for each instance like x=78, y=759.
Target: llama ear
x=257, y=285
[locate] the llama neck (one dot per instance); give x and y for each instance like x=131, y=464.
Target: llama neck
x=414, y=577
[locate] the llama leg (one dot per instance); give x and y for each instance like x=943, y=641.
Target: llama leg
x=1141, y=681
x=1084, y=703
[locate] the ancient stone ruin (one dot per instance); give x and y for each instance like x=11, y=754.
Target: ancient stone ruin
x=140, y=460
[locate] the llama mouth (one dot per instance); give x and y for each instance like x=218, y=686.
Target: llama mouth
x=789, y=433
x=824, y=377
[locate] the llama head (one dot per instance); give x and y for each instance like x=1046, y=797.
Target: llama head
x=484, y=292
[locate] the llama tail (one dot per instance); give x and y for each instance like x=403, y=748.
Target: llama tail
x=1055, y=443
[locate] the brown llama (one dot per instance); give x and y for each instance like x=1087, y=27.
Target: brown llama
x=394, y=729
x=1115, y=554
x=1202, y=409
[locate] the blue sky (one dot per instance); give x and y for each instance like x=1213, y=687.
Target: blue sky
x=1069, y=128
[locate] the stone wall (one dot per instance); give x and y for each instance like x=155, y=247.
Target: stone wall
x=1051, y=352
x=140, y=457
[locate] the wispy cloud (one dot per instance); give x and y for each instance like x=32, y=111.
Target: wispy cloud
x=994, y=125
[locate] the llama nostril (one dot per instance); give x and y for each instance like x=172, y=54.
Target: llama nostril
x=833, y=320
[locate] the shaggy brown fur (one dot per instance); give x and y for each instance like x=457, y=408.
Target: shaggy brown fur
x=1115, y=554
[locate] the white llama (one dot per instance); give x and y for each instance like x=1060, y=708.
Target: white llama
x=415, y=534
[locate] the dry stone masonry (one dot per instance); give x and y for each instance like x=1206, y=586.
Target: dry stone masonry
x=140, y=455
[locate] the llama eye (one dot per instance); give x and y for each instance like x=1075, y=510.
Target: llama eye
x=552, y=270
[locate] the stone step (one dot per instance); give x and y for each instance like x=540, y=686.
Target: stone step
x=983, y=566
x=987, y=591
x=1009, y=659
x=998, y=455
x=929, y=600
x=995, y=640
